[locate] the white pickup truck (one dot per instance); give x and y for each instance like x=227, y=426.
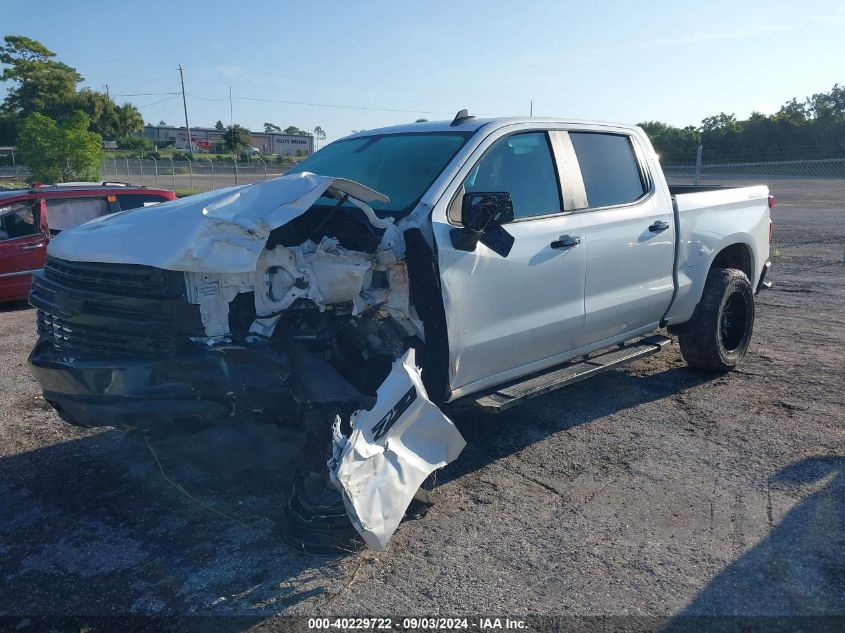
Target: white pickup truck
x=395, y=274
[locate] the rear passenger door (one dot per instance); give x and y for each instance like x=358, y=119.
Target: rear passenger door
x=629, y=235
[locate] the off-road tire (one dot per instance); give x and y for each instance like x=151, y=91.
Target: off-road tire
x=717, y=336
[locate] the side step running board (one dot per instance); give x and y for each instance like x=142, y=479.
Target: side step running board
x=512, y=393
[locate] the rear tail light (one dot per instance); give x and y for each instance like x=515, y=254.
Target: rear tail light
x=771, y=201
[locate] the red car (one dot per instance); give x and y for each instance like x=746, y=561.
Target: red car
x=29, y=217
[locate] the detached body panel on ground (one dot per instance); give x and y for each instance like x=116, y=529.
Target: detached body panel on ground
x=485, y=251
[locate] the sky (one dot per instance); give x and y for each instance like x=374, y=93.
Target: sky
x=359, y=65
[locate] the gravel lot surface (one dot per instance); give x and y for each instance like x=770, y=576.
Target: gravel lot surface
x=651, y=490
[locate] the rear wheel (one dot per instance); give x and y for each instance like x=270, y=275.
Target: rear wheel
x=717, y=336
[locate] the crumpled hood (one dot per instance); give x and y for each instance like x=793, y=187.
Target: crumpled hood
x=220, y=231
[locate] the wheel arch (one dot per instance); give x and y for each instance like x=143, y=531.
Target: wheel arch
x=737, y=255
x=733, y=253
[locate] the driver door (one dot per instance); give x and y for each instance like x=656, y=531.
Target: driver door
x=507, y=316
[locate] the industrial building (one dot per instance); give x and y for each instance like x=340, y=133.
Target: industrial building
x=206, y=138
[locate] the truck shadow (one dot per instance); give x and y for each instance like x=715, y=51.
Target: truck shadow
x=798, y=570
x=492, y=436
x=14, y=306
x=109, y=523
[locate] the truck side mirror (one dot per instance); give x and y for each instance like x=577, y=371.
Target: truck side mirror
x=482, y=216
x=481, y=210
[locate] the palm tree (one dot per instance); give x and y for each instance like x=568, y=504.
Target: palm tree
x=127, y=120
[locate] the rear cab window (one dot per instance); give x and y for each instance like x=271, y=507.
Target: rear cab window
x=609, y=168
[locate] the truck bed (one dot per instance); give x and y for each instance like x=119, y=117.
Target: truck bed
x=710, y=218
x=681, y=189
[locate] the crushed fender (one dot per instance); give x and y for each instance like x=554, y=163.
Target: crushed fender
x=392, y=449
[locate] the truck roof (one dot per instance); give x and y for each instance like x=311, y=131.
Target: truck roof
x=471, y=124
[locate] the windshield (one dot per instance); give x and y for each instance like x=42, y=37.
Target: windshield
x=401, y=166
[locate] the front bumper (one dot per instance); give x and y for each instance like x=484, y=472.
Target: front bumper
x=190, y=391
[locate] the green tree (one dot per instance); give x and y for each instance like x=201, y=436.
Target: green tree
x=236, y=138
x=136, y=143
x=39, y=83
x=127, y=121
x=292, y=129
x=219, y=126
x=271, y=127
x=319, y=135
x=421, y=121
x=101, y=110
x=60, y=152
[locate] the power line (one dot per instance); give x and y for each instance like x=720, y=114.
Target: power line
x=313, y=104
x=339, y=106
x=145, y=94
x=193, y=96
x=285, y=101
x=147, y=105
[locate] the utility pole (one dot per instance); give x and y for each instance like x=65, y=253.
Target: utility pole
x=231, y=119
x=696, y=177
x=531, y=109
x=106, y=86
x=185, y=106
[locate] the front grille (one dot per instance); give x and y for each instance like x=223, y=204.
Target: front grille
x=127, y=280
x=84, y=341
x=91, y=311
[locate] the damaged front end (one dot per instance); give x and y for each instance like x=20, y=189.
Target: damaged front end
x=287, y=301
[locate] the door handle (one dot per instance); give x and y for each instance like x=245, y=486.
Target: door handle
x=658, y=225
x=566, y=241
x=32, y=247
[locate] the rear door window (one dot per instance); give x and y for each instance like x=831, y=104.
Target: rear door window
x=64, y=213
x=136, y=200
x=18, y=220
x=609, y=168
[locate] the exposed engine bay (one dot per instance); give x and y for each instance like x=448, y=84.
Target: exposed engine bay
x=303, y=313
x=341, y=292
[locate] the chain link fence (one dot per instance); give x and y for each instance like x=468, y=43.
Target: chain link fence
x=818, y=183
x=182, y=176
x=186, y=176
x=12, y=176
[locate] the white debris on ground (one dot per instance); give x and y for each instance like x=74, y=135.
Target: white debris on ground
x=392, y=449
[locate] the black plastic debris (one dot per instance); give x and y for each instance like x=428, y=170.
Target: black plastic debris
x=315, y=519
